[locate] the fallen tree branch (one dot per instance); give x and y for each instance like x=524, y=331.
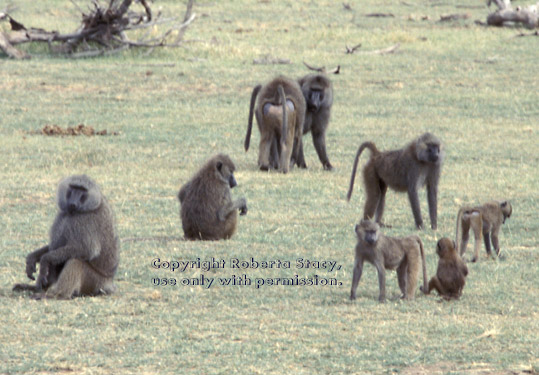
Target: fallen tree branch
x=528, y=16
x=322, y=69
x=187, y=19
x=102, y=31
x=353, y=49
x=9, y=50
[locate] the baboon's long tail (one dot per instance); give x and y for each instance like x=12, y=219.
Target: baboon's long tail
x=251, y=112
x=457, y=230
x=284, y=131
x=371, y=146
x=425, y=283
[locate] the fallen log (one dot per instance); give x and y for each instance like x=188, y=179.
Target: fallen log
x=103, y=30
x=528, y=16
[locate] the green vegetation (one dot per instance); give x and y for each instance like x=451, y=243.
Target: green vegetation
x=474, y=87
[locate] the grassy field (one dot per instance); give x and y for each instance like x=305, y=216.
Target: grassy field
x=476, y=88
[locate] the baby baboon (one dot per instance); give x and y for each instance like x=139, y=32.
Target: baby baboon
x=451, y=273
x=402, y=254
x=83, y=251
x=403, y=170
x=280, y=113
x=485, y=220
x=318, y=92
x=207, y=209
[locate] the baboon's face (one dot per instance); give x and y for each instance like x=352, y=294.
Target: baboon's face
x=433, y=152
x=232, y=181
x=429, y=149
x=78, y=193
x=314, y=99
x=507, y=210
x=367, y=231
x=225, y=170
x=76, y=196
x=317, y=91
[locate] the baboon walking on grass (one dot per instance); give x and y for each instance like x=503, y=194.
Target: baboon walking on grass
x=318, y=92
x=402, y=254
x=404, y=170
x=486, y=221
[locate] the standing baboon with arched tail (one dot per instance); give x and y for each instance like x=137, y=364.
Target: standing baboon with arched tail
x=280, y=114
x=404, y=170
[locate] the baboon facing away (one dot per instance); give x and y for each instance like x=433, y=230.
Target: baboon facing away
x=485, y=221
x=280, y=113
x=83, y=251
x=451, y=273
x=405, y=170
x=207, y=210
x=402, y=254
x=318, y=92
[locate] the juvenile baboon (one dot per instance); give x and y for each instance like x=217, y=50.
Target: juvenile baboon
x=402, y=254
x=404, y=170
x=207, y=210
x=280, y=113
x=485, y=220
x=83, y=251
x=451, y=273
x=318, y=92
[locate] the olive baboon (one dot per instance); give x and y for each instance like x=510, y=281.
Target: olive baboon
x=280, y=113
x=207, y=210
x=451, y=273
x=485, y=220
x=402, y=254
x=407, y=169
x=318, y=92
x=83, y=251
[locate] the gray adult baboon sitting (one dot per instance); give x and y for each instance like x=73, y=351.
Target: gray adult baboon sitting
x=83, y=251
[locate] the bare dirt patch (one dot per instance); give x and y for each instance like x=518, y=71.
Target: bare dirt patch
x=81, y=129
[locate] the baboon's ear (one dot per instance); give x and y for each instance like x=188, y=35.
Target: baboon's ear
x=219, y=166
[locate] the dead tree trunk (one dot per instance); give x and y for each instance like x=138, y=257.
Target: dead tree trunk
x=103, y=31
x=528, y=16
